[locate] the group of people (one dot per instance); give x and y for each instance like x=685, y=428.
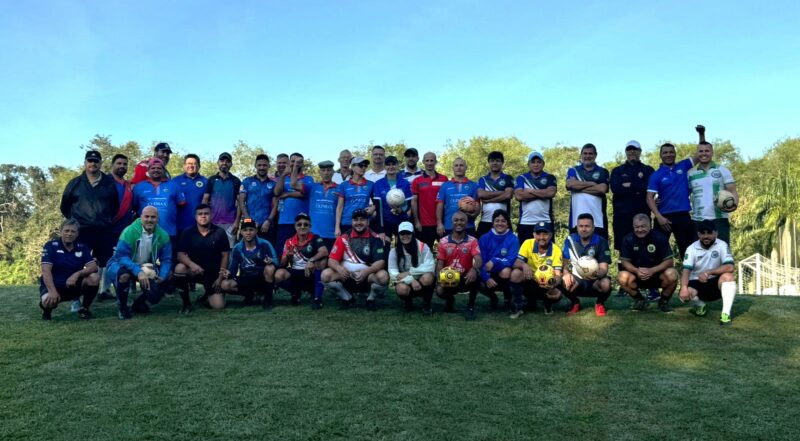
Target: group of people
x=342, y=235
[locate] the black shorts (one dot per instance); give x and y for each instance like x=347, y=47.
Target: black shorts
x=298, y=282
x=462, y=287
x=532, y=290
x=353, y=287
x=707, y=292
x=206, y=279
x=66, y=293
x=585, y=288
x=250, y=284
x=651, y=283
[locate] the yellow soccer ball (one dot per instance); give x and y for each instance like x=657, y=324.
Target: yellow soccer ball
x=449, y=277
x=545, y=276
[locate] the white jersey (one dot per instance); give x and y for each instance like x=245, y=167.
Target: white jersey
x=374, y=176
x=704, y=185
x=698, y=259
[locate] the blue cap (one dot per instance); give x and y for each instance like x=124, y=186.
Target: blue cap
x=535, y=155
x=542, y=226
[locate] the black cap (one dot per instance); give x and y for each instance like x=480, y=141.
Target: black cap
x=93, y=155
x=360, y=213
x=302, y=216
x=225, y=155
x=391, y=159
x=248, y=223
x=706, y=225
x=541, y=226
x=410, y=152
x=162, y=146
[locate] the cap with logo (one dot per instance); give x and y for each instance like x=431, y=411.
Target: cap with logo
x=633, y=144
x=360, y=160
x=93, y=155
x=535, y=155
x=405, y=227
x=248, y=223
x=360, y=213
x=541, y=227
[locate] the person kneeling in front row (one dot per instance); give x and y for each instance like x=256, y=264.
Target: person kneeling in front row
x=251, y=269
x=411, y=266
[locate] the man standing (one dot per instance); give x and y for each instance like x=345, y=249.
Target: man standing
x=354, y=194
x=256, y=198
x=705, y=182
x=344, y=171
x=586, y=243
x=357, y=263
x=389, y=219
x=281, y=162
x=222, y=193
x=588, y=185
x=119, y=168
x=193, y=186
x=450, y=194
x=708, y=273
x=629, y=186
x=668, y=197
x=251, y=269
x=535, y=191
x=412, y=170
x=378, y=169
x=462, y=253
x=69, y=272
x=93, y=201
x=143, y=244
x=165, y=196
x=425, y=189
x=202, y=256
x=322, y=200
x=292, y=199
x=161, y=151
x=495, y=191
x=647, y=264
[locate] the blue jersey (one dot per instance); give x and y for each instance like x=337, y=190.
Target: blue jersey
x=289, y=208
x=500, y=249
x=222, y=195
x=165, y=197
x=246, y=262
x=259, y=197
x=672, y=187
x=65, y=263
x=355, y=196
x=193, y=190
x=450, y=193
x=382, y=186
x=322, y=209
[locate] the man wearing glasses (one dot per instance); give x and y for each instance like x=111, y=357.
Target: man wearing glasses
x=303, y=255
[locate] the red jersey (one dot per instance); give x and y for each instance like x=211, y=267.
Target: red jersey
x=458, y=254
x=426, y=189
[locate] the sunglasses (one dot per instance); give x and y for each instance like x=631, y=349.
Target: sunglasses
x=302, y=224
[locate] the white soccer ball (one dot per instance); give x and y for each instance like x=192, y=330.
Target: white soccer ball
x=396, y=198
x=586, y=267
x=149, y=271
x=725, y=201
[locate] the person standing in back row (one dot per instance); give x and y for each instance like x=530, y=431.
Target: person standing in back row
x=535, y=191
x=425, y=189
x=222, y=194
x=629, y=186
x=495, y=191
x=588, y=185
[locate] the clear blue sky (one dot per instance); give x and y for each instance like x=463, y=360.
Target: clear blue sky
x=318, y=76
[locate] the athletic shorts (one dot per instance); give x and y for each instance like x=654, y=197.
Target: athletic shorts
x=66, y=293
x=585, y=288
x=707, y=292
x=462, y=287
x=249, y=285
x=298, y=282
x=532, y=290
x=651, y=283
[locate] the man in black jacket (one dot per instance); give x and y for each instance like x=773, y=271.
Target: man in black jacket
x=629, y=186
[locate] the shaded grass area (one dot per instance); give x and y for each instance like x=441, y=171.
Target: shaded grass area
x=298, y=374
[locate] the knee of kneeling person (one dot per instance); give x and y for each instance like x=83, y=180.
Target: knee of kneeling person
x=92, y=279
x=402, y=289
x=505, y=273
x=229, y=285
x=125, y=278
x=670, y=275
x=180, y=270
x=604, y=284
x=328, y=275
x=625, y=278
x=426, y=279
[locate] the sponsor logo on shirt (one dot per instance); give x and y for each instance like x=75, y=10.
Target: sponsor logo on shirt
x=716, y=174
x=714, y=254
x=651, y=248
x=198, y=184
x=596, y=175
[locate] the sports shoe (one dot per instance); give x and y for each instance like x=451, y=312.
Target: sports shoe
x=47, y=314
x=316, y=305
x=427, y=310
x=664, y=306
x=600, y=310
x=75, y=306
x=124, y=313
x=493, y=301
x=347, y=304
x=84, y=313
x=548, y=309
x=699, y=311
x=470, y=314
x=639, y=304
x=574, y=309
x=725, y=319
x=653, y=294
x=517, y=314
x=186, y=310
x=295, y=301
x=105, y=295
x=372, y=305
x=203, y=301
x=140, y=307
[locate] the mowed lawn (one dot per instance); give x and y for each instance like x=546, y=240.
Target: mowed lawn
x=298, y=374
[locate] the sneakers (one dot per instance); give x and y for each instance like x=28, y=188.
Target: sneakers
x=470, y=314
x=186, y=310
x=123, y=313
x=316, y=305
x=84, y=313
x=548, y=309
x=663, y=305
x=725, y=319
x=347, y=304
x=105, y=295
x=372, y=305
x=517, y=314
x=574, y=309
x=699, y=311
x=75, y=306
x=47, y=314
x=600, y=310
x=653, y=294
x=639, y=305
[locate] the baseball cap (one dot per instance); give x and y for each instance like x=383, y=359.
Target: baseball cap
x=162, y=146
x=359, y=213
x=93, y=155
x=302, y=216
x=633, y=144
x=248, y=223
x=391, y=159
x=706, y=225
x=541, y=226
x=325, y=164
x=225, y=155
x=360, y=160
x=535, y=155
x=410, y=152
x=405, y=226
x=154, y=161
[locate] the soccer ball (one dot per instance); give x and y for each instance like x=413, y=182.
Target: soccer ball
x=449, y=277
x=149, y=271
x=468, y=205
x=586, y=267
x=396, y=198
x=725, y=201
x=545, y=276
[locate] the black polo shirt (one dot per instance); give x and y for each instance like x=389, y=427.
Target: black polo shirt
x=646, y=252
x=207, y=250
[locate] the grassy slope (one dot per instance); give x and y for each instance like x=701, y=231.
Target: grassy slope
x=297, y=374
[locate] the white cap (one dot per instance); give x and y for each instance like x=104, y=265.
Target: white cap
x=633, y=143
x=405, y=226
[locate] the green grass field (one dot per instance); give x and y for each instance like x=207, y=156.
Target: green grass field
x=298, y=374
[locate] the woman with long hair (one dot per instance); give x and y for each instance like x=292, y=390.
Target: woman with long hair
x=411, y=265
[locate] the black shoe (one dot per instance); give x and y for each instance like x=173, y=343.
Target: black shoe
x=372, y=305
x=105, y=295
x=84, y=313
x=186, y=310
x=493, y=303
x=470, y=314
x=203, y=301
x=347, y=304
x=47, y=314
x=664, y=306
x=248, y=301
x=639, y=305
x=124, y=313
x=295, y=300
x=408, y=306
x=548, y=309
x=140, y=308
x=316, y=305
x=427, y=310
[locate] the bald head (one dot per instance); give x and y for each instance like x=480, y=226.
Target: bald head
x=149, y=218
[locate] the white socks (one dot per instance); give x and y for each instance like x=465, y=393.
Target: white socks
x=728, y=290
